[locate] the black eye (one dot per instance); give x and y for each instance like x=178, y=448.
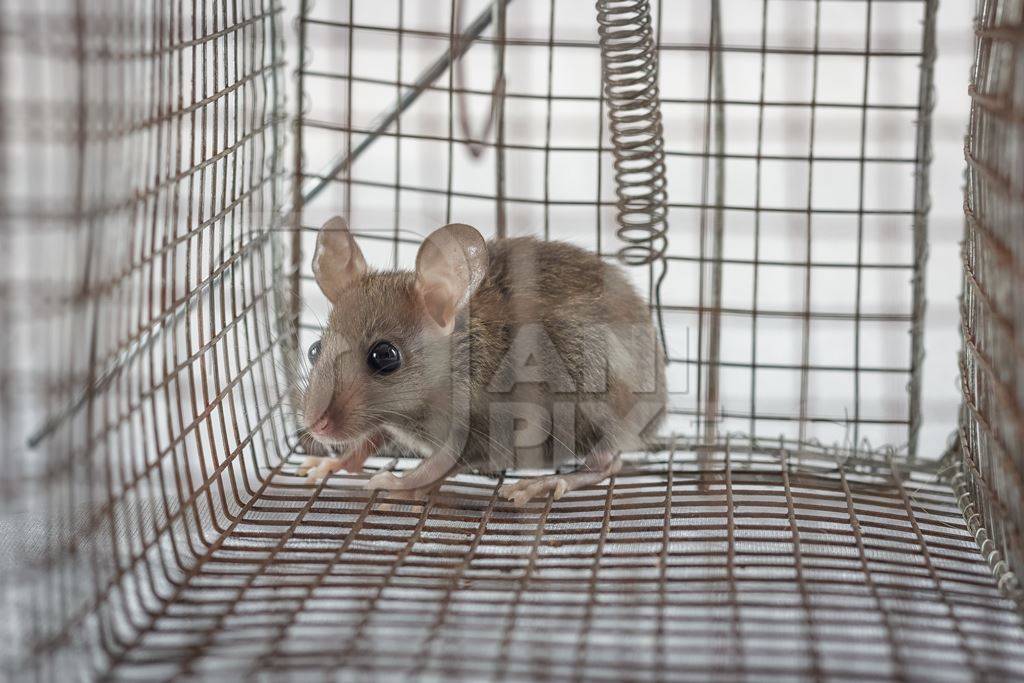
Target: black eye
x=384, y=357
x=314, y=351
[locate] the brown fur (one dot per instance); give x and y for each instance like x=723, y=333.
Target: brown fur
x=446, y=387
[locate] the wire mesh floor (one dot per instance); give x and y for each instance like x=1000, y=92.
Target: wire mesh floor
x=765, y=568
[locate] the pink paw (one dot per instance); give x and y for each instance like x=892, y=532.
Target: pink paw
x=315, y=468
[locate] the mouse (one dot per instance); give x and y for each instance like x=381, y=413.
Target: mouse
x=488, y=356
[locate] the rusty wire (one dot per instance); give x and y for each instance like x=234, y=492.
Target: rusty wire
x=144, y=326
x=768, y=573
x=156, y=527
x=990, y=476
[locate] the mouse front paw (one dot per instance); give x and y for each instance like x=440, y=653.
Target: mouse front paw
x=315, y=468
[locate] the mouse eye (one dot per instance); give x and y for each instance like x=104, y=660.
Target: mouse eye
x=314, y=352
x=384, y=357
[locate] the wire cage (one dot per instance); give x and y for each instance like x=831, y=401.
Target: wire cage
x=810, y=144
x=761, y=170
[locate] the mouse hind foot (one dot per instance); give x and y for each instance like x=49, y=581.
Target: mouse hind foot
x=596, y=468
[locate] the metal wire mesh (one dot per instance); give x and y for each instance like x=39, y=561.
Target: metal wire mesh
x=791, y=568
x=154, y=526
x=991, y=436
x=140, y=182
x=796, y=151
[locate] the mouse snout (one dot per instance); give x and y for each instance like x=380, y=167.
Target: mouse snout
x=335, y=418
x=321, y=426
x=327, y=424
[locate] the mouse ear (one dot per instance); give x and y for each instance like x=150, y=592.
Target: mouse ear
x=450, y=265
x=337, y=261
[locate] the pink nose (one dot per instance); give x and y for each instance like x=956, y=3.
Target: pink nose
x=322, y=425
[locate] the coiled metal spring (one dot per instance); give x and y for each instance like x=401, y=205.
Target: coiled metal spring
x=629, y=62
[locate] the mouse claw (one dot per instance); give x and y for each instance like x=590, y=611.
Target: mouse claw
x=516, y=493
x=525, y=490
x=310, y=463
x=319, y=468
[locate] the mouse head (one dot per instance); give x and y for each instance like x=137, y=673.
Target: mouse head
x=385, y=355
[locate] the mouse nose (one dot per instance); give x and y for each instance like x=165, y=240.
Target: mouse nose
x=333, y=418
